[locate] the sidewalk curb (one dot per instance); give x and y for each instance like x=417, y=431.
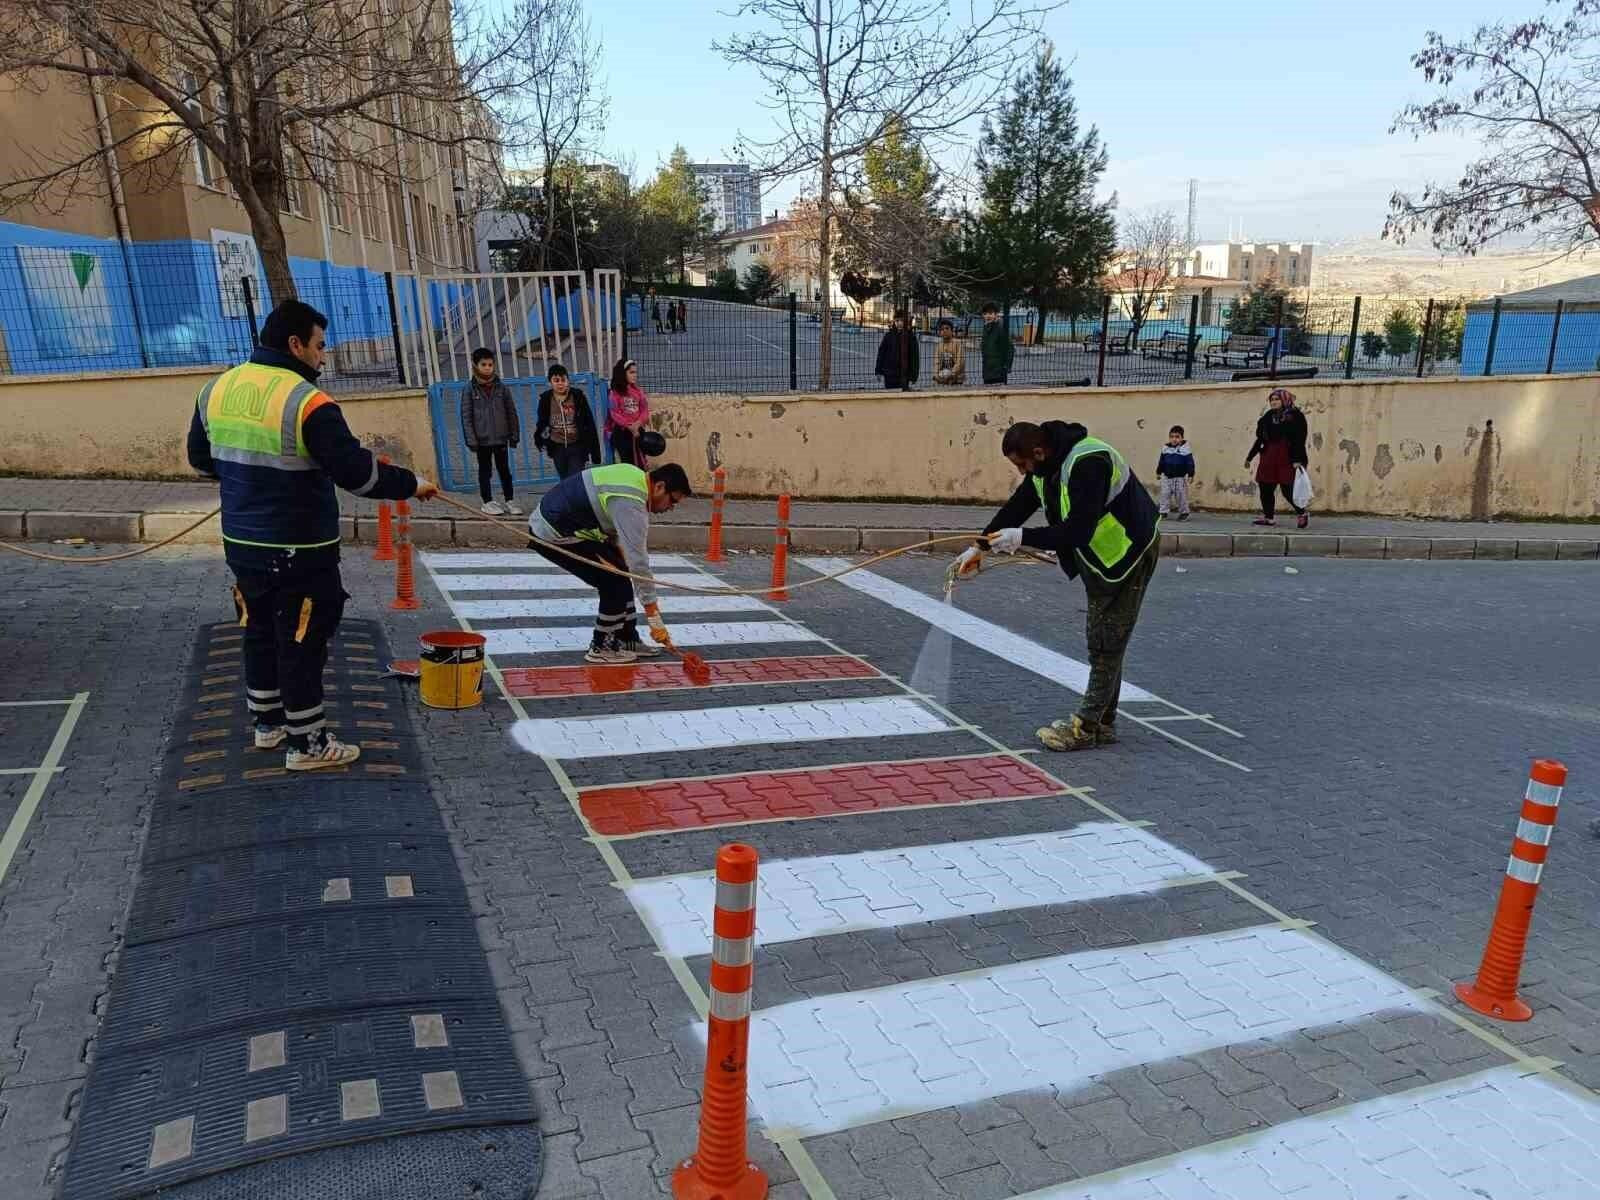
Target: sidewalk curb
x=43, y=526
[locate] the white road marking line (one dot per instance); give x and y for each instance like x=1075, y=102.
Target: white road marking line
x=737, y=725
x=829, y=1063
x=1496, y=1133
x=975, y=631
x=527, y=560
x=556, y=581
x=29, y=804
x=813, y=897
x=564, y=638
x=584, y=606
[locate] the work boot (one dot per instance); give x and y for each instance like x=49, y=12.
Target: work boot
x=608, y=649
x=325, y=751
x=1076, y=734
x=270, y=737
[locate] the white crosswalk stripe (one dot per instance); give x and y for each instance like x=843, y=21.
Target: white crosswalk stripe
x=732, y=633
x=584, y=606
x=528, y=561
x=555, y=581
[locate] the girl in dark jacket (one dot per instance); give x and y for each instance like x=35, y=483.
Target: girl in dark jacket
x=1281, y=443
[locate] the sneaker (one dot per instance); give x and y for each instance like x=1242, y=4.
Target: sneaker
x=1263, y=521
x=328, y=752
x=1303, y=520
x=640, y=648
x=511, y=508
x=608, y=650
x=1183, y=516
x=270, y=737
x=493, y=508
x=1076, y=734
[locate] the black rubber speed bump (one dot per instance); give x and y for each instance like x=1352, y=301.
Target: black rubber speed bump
x=314, y=927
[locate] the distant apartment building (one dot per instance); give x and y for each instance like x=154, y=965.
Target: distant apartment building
x=733, y=195
x=1287, y=262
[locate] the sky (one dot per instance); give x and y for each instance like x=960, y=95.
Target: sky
x=1279, y=108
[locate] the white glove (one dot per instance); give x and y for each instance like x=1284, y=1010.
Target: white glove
x=1006, y=541
x=652, y=614
x=969, y=561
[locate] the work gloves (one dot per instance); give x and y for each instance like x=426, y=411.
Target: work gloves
x=969, y=561
x=658, y=627
x=1006, y=541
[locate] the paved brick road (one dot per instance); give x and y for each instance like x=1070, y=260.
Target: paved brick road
x=1043, y=992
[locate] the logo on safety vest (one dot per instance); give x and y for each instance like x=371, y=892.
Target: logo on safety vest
x=244, y=400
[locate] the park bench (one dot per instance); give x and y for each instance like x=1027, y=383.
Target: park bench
x=1239, y=350
x=1169, y=345
x=836, y=310
x=1118, y=343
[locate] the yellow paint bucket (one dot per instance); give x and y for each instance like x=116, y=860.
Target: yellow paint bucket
x=452, y=669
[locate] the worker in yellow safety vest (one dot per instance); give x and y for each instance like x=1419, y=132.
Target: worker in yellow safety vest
x=1102, y=525
x=279, y=446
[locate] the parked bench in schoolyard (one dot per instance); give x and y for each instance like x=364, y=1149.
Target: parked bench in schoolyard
x=1170, y=345
x=1118, y=343
x=1239, y=350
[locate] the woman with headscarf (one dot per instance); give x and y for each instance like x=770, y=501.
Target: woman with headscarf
x=627, y=414
x=1281, y=443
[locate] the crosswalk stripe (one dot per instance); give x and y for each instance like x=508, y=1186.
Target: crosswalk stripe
x=738, y=725
x=811, y=897
x=555, y=581
x=529, y=561
x=975, y=631
x=836, y=1061
x=1497, y=1133
x=732, y=633
x=584, y=606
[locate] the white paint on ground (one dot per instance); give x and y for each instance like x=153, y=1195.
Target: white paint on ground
x=555, y=581
x=837, y=1061
x=812, y=897
x=528, y=561
x=721, y=633
x=975, y=631
x=1498, y=1133
x=584, y=606
x=739, y=725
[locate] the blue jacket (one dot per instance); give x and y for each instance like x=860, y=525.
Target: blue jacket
x=264, y=508
x=1176, y=462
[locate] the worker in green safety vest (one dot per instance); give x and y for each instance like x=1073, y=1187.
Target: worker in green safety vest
x=1102, y=526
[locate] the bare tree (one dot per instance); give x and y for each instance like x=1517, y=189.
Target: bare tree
x=564, y=97
x=838, y=72
x=280, y=94
x=1153, y=244
x=1529, y=92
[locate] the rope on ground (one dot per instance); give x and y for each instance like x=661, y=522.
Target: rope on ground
x=96, y=559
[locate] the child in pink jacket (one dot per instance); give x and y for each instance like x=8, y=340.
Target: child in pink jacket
x=628, y=414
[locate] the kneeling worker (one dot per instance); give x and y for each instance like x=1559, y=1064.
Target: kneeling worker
x=1102, y=526
x=602, y=515
x=279, y=446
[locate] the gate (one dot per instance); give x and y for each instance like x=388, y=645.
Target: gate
x=458, y=466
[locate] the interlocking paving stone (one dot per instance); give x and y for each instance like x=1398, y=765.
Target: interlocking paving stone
x=530, y=683
x=559, y=638
x=779, y=795
x=807, y=897
x=734, y=725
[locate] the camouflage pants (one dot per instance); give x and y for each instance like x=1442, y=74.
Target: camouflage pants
x=1112, y=616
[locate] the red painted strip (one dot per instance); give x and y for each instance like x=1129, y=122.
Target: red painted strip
x=820, y=792
x=532, y=683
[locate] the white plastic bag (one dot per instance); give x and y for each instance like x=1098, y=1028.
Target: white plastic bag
x=1302, y=488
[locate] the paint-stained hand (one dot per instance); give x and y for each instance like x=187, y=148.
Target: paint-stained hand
x=1006, y=541
x=425, y=489
x=970, y=561
x=658, y=627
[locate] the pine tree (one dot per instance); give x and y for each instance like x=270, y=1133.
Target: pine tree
x=678, y=203
x=1040, y=232
x=895, y=230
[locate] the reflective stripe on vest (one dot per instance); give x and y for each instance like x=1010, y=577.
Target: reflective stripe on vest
x=605, y=484
x=1110, y=542
x=253, y=414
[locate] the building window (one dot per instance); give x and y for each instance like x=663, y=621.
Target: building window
x=292, y=203
x=367, y=201
x=206, y=172
x=338, y=212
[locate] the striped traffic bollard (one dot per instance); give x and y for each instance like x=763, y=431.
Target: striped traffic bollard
x=780, y=552
x=405, y=582
x=385, y=550
x=721, y=1169
x=719, y=481
x=1494, y=992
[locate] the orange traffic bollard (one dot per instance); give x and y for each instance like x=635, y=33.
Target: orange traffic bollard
x=721, y=1168
x=719, y=480
x=405, y=580
x=385, y=550
x=1494, y=992
x=780, y=552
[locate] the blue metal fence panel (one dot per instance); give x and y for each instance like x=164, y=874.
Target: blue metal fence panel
x=458, y=466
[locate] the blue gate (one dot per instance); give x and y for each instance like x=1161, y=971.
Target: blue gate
x=458, y=466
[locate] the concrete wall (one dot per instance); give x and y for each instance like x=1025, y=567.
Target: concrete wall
x=1457, y=448
x=136, y=423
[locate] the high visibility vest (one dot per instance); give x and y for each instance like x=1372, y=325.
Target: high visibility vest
x=1111, y=552
x=580, y=505
x=273, y=493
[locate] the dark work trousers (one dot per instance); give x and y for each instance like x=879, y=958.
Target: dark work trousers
x=498, y=458
x=568, y=460
x=622, y=446
x=288, y=612
x=1112, y=615
x=617, y=616
x=1269, y=502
